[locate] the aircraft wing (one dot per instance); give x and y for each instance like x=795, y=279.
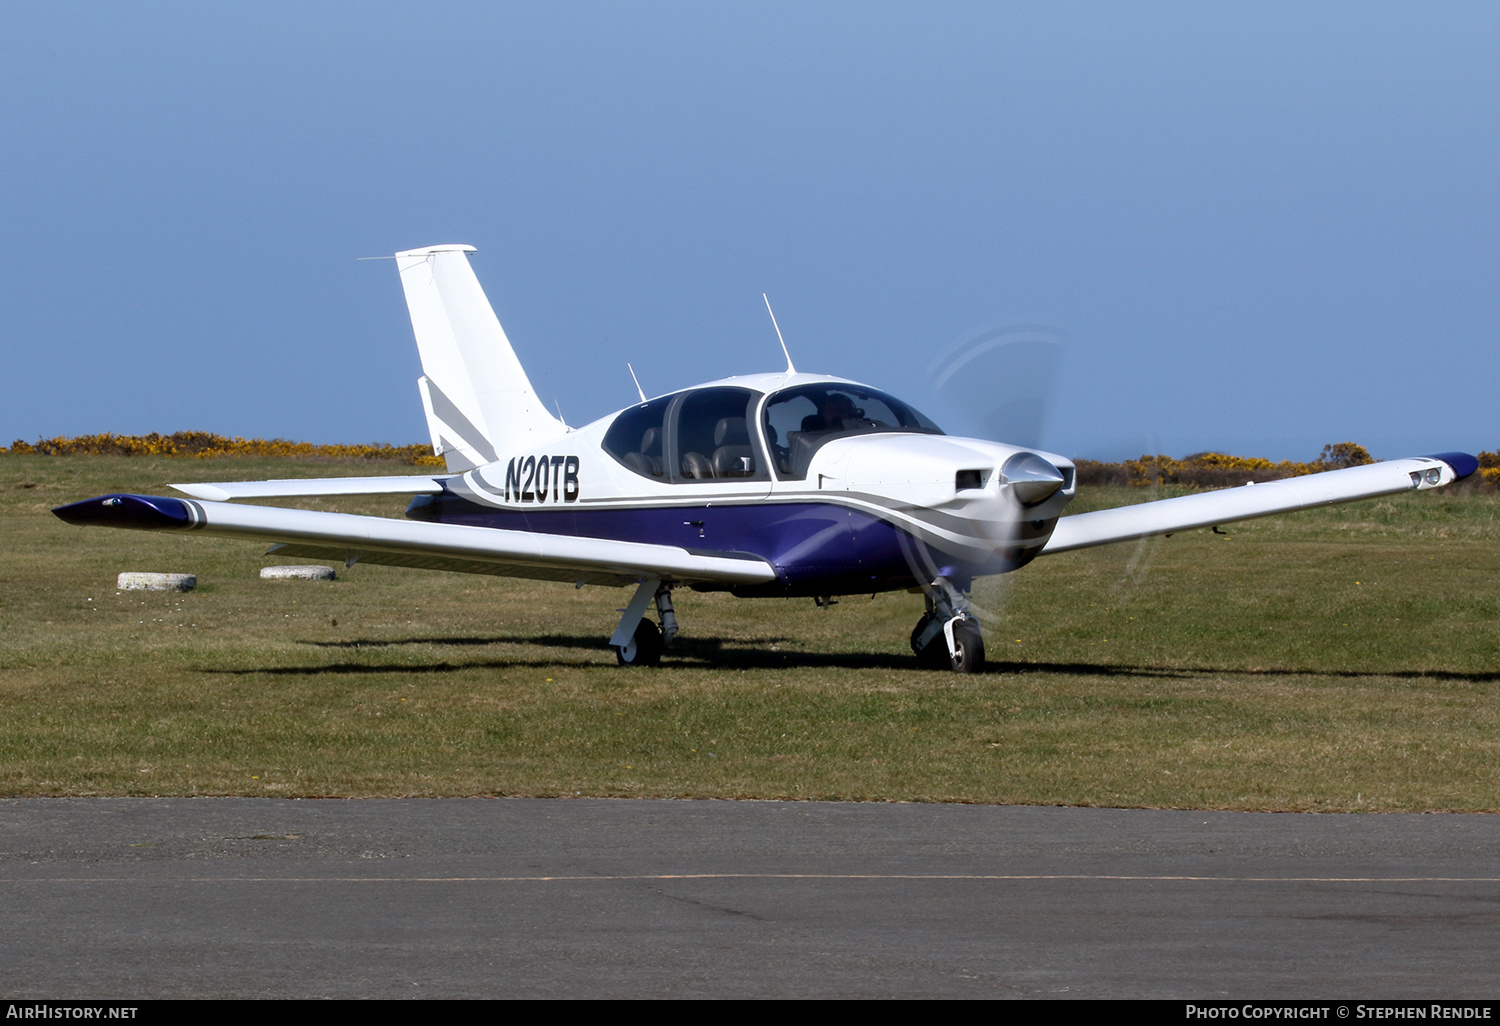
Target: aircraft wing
x=223, y=491
x=480, y=550
x=1208, y=509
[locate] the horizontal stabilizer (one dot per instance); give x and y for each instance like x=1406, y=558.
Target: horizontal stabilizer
x=416, y=543
x=223, y=491
x=1209, y=509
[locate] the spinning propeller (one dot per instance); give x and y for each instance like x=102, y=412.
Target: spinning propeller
x=997, y=383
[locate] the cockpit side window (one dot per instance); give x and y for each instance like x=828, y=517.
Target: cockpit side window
x=799, y=420
x=637, y=438
x=713, y=436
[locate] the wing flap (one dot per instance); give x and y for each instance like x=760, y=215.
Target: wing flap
x=418, y=561
x=1209, y=509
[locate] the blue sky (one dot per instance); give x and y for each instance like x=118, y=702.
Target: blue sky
x=1257, y=228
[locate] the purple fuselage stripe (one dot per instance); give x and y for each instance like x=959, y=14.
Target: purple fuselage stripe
x=816, y=548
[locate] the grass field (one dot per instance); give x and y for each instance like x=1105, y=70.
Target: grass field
x=1342, y=659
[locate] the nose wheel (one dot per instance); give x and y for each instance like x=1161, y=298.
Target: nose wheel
x=947, y=637
x=968, y=648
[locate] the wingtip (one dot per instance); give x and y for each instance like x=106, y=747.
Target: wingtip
x=1462, y=463
x=136, y=512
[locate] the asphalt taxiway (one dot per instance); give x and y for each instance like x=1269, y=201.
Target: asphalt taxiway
x=239, y=897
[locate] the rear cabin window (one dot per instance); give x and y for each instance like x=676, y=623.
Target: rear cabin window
x=703, y=435
x=637, y=438
x=712, y=436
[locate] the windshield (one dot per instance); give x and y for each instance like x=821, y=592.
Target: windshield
x=799, y=420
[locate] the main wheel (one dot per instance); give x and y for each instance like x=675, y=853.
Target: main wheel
x=644, y=649
x=969, y=645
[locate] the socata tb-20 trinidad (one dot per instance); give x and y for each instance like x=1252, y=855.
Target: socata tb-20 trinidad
x=768, y=485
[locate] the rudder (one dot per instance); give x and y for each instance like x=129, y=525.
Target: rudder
x=477, y=397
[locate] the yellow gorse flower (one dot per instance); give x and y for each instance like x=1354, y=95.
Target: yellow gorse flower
x=205, y=445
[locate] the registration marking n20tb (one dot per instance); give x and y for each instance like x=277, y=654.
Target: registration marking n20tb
x=526, y=479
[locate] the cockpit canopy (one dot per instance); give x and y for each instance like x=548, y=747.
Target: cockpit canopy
x=711, y=433
x=800, y=420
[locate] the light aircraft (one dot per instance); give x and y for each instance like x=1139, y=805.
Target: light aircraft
x=768, y=485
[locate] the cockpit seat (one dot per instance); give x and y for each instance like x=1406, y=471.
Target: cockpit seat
x=697, y=466
x=648, y=460
x=733, y=456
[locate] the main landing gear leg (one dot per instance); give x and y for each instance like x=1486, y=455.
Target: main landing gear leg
x=668, y=615
x=948, y=635
x=637, y=641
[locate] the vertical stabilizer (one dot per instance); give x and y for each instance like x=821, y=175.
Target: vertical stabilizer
x=477, y=397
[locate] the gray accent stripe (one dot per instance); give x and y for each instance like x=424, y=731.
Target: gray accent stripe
x=454, y=456
x=933, y=527
x=453, y=417
x=728, y=554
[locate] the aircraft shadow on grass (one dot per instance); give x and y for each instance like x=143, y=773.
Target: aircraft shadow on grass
x=757, y=654
x=714, y=653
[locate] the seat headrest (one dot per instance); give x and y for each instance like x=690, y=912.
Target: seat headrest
x=731, y=431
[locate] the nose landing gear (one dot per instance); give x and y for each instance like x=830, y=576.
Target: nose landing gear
x=947, y=637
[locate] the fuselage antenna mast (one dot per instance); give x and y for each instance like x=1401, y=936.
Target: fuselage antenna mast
x=641, y=391
x=789, y=368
